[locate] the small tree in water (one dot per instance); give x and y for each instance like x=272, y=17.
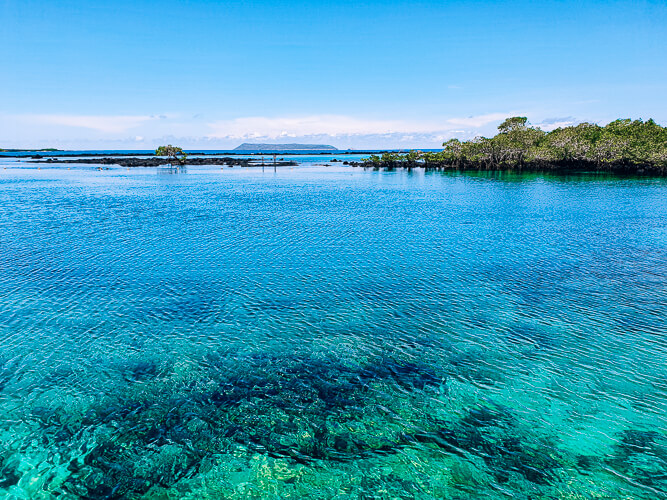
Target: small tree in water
x=174, y=153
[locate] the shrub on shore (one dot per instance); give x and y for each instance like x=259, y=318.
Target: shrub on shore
x=174, y=153
x=623, y=145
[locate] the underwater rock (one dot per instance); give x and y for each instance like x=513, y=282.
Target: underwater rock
x=110, y=412
x=304, y=409
x=141, y=370
x=587, y=462
x=134, y=461
x=638, y=441
x=408, y=375
x=488, y=416
x=9, y=471
x=490, y=434
x=641, y=455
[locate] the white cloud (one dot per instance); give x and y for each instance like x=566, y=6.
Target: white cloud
x=332, y=125
x=259, y=127
x=477, y=121
x=549, y=124
x=134, y=131
x=99, y=123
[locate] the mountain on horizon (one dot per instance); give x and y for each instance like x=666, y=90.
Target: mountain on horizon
x=285, y=147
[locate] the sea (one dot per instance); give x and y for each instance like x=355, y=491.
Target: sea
x=331, y=332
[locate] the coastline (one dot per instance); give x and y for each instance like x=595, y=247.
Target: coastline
x=397, y=162
x=96, y=154
x=160, y=161
x=554, y=167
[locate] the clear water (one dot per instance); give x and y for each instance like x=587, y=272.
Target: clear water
x=331, y=333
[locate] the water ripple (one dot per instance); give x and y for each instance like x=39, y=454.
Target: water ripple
x=331, y=333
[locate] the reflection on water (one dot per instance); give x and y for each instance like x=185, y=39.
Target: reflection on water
x=331, y=333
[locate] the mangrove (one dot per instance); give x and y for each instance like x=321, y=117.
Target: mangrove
x=623, y=146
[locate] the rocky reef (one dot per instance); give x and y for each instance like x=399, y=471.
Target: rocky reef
x=160, y=161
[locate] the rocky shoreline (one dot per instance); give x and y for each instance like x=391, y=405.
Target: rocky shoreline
x=161, y=161
x=65, y=154
x=619, y=167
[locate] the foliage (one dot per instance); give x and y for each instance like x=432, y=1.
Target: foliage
x=623, y=145
x=174, y=153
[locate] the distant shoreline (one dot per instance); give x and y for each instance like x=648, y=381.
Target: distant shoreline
x=45, y=150
x=558, y=168
x=83, y=154
x=247, y=146
x=545, y=167
x=158, y=161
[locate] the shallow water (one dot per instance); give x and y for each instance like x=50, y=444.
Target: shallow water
x=331, y=333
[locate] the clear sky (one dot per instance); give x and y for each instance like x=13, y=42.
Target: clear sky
x=211, y=74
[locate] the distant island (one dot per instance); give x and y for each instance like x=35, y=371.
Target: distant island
x=45, y=150
x=284, y=147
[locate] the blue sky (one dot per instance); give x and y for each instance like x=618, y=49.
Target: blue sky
x=204, y=74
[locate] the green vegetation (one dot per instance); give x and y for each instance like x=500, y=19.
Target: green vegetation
x=622, y=146
x=174, y=153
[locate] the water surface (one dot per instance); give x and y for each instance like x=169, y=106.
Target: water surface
x=331, y=333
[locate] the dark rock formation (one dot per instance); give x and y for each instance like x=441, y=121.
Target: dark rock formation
x=159, y=161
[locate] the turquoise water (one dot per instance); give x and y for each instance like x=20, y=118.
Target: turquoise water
x=331, y=333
